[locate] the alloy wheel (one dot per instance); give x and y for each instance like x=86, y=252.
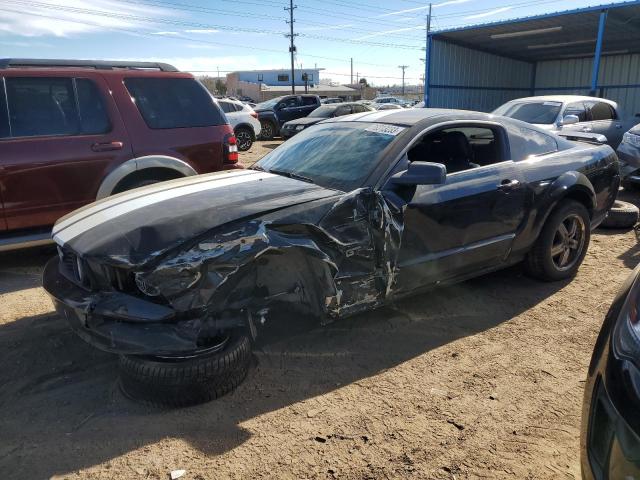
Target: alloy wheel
x=243, y=139
x=568, y=242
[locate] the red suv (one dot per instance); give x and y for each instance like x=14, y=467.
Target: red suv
x=72, y=132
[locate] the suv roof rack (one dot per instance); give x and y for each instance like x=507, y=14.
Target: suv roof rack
x=97, y=64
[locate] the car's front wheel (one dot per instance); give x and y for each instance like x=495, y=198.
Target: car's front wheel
x=244, y=139
x=187, y=379
x=562, y=244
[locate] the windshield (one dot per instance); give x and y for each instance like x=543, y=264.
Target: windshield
x=334, y=155
x=323, y=112
x=269, y=104
x=543, y=113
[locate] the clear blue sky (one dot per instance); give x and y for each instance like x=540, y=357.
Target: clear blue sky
x=204, y=35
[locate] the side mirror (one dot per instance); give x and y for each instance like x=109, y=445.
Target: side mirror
x=570, y=120
x=421, y=173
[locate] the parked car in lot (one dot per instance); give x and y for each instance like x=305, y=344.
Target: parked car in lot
x=276, y=112
x=343, y=218
x=570, y=112
x=243, y=120
x=389, y=101
x=629, y=156
x=325, y=101
x=289, y=129
x=72, y=132
x=610, y=440
x=387, y=106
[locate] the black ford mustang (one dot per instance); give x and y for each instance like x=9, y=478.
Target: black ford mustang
x=343, y=218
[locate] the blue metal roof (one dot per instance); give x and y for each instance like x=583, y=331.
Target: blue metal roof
x=568, y=34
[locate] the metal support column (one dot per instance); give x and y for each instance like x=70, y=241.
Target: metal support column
x=598, y=53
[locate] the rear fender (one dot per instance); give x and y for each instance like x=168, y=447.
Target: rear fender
x=570, y=185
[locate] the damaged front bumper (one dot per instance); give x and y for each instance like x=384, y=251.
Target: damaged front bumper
x=120, y=323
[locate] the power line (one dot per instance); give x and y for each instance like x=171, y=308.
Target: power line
x=179, y=37
x=163, y=21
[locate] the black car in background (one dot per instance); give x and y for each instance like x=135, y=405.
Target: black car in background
x=289, y=129
x=345, y=217
x=610, y=440
x=276, y=112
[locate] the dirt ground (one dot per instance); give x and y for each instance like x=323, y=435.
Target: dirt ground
x=480, y=380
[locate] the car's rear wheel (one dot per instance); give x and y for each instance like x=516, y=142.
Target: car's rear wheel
x=268, y=130
x=187, y=379
x=244, y=139
x=562, y=244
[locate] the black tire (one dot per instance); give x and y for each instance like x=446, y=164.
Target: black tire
x=622, y=215
x=181, y=382
x=244, y=138
x=268, y=130
x=546, y=260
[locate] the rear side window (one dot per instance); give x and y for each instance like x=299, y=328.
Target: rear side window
x=576, y=109
x=173, y=103
x=93, y=113
x=306, y=101
x=41, y=106
x=601, y=111
x=226, y=107
x=526, y=142
x=4, y=114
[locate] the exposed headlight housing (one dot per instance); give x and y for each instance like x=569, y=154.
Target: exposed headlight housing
x=632, y=139
x=168, y=281
x=299, y=127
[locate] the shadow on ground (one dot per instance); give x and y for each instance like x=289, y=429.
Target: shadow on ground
x=62, y=410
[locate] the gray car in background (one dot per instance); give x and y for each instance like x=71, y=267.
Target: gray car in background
x=570, y=112
x=629, y=157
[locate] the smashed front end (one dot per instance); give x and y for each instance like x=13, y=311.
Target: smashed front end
x=339, y=264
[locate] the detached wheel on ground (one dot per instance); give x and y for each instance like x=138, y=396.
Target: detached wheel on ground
x=244, y=138
x=562, y=244
x=622, y=215
x=187, y=380
x=267, y=131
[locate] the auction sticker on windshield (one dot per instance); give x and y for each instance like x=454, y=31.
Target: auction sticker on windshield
x=385, y=129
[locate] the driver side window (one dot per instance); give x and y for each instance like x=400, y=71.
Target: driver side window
x=578, y=110
x=459, y=148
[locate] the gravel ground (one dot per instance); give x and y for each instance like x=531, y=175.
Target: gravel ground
x=480, y=380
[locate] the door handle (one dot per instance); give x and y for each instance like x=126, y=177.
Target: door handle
x=107, y=146
x=508, y=185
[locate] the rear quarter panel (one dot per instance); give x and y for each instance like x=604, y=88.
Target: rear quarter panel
x=589, y=169
x=200, y=147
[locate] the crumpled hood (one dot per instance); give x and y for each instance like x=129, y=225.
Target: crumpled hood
x=134, y=227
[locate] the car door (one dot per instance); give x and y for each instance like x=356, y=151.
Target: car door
x=604, y=121
x=463, y=226
x=65, y=137
x=308, y=105
x=288, y=109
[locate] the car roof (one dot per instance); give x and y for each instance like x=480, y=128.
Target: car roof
x=411, y=116
x=562, y=98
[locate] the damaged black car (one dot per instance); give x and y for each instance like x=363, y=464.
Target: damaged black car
x=179, y=278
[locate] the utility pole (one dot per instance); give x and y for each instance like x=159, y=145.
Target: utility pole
x=292, y=47
x=351, y=72
x=427, y=59
x=403, y=67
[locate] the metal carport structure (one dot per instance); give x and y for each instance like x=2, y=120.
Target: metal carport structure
x=588, y=51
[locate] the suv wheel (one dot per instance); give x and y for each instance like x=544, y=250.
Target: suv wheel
x=562, y=244
x=244, y=139
x=268, y=131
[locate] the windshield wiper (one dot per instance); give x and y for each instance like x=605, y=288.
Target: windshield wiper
x=295, y=176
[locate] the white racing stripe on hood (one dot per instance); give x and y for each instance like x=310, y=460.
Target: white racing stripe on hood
x=64, y=235
x=117, y=199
